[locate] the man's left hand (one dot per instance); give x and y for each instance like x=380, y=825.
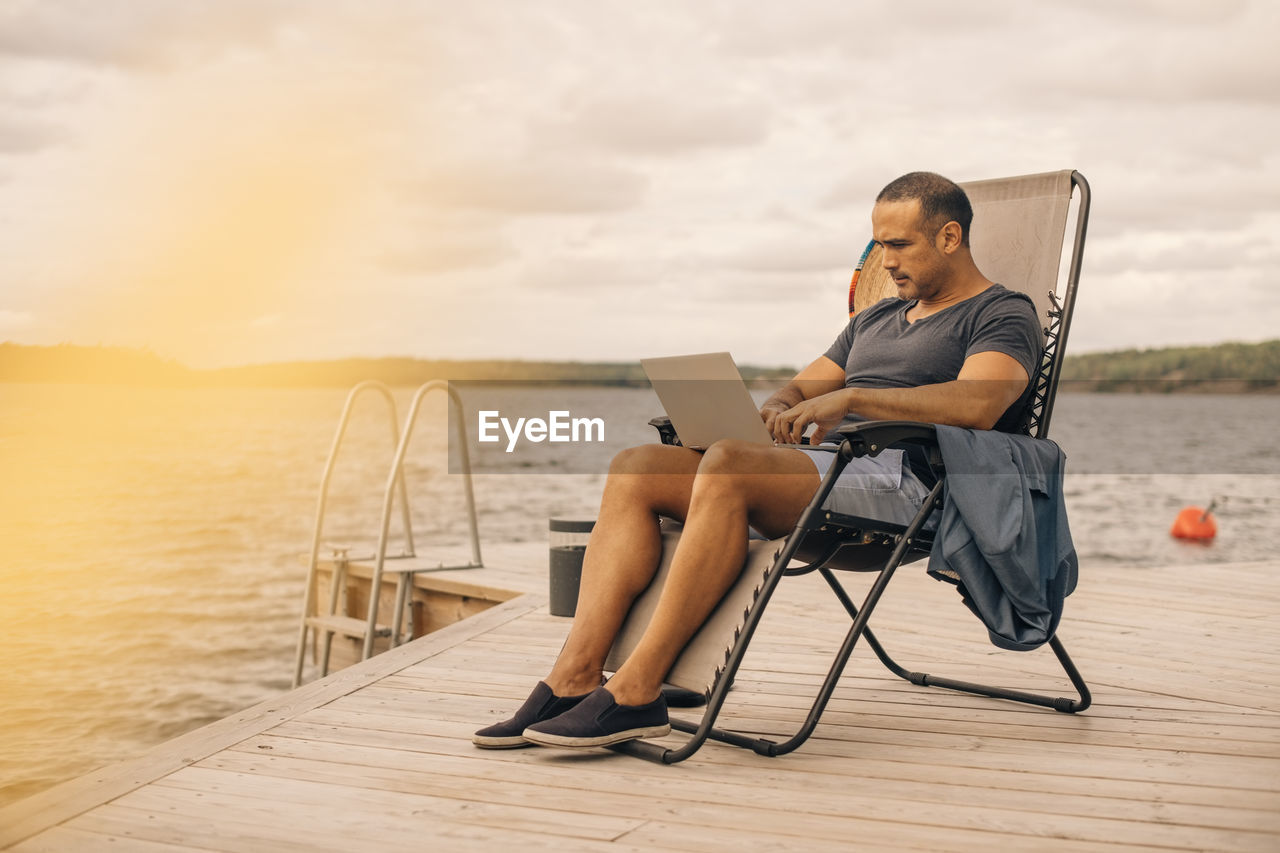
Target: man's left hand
x=825, y=412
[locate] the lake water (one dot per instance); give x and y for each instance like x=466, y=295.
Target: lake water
x=151, y=539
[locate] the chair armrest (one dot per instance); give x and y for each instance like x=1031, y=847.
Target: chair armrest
x=870, y=437
x=666, y=431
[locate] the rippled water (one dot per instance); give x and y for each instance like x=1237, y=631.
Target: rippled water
x=151, y=539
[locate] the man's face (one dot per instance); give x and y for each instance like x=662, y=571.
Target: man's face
x=914, y=259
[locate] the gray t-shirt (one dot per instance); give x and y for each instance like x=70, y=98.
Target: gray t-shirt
x=880, y=349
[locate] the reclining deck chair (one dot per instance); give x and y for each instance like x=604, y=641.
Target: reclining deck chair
x=1018, y=235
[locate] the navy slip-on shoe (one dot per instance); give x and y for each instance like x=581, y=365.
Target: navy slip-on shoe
x=541, y=705
x=599, y=720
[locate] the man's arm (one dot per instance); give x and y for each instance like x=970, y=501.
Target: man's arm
x=822, y=376
x=987, y=385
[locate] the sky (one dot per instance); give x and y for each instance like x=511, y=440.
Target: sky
x=239, y=181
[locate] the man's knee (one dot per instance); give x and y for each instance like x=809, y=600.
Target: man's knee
x=642, y=459
x=724, y=475
x=761, y=477
x=654, y=476
x=730, y=456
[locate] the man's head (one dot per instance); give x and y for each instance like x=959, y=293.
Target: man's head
x=941, y=201
x=921, y=220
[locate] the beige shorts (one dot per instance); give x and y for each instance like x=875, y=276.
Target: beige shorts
x=881, y=487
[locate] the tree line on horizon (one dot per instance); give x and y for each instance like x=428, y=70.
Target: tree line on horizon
x=1220, y=367
x=129, y=366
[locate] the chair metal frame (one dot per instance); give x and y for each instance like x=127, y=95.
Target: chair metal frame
x=832, y=530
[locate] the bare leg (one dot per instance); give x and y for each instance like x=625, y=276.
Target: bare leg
x=717, y=494
x=737, y=484
x=623, y=555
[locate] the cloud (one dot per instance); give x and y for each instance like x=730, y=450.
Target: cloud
x=145, y=34
x=193, y=201
x=24, y=137
x=592, y=274
x=661, y=126
x=1159, y=195
x=547, y=186
x=554, y=156
x=1173, y=308
x=1159, y=53
x=1221, y=255
x=859, y=188
x=1143, y=12
x=805, y=28
x=433, y=253
x=795, y=253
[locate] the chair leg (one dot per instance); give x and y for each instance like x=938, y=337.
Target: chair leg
x=856, y=630
x=1057, y=703
x=763, y=746
x=706, y=728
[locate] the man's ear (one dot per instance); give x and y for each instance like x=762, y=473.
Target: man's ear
x=949, y=237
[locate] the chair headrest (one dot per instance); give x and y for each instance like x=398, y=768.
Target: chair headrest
x=1019, y=224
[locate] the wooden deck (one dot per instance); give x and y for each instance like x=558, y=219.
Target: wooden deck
x=1181, y=749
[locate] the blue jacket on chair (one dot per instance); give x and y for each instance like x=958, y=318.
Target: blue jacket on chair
x=1003, y=532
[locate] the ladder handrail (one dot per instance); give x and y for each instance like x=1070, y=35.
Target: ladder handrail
x=397, y=474
x=308, y=602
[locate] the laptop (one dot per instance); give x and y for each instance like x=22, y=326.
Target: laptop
x=706, y=399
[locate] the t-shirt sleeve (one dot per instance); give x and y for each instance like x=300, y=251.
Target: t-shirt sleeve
x=840, y=347
x=1011, y=326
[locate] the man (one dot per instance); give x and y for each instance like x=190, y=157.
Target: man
x=954, y=348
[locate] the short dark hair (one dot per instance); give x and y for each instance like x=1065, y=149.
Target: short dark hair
x=941, y=201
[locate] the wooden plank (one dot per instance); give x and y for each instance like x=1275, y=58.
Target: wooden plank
x=222, y=782
x=439, y=738
x=985, y=748
x=1079, y=730
x=168, y=824
x=912, y=702
x=846, y=814
x=55, y=805
x=801, y=792
x=1243, y=691
x=1237, y=650
x=673, y=835
x=1168, y=758
x=1083, y=778
x=509, y=570
x=346, y=625
x=62, y=840
x=241, y=824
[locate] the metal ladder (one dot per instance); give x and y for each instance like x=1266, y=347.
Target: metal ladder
x=404, y=565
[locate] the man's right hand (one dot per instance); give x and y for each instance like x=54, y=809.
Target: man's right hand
x=769, y=413
x=824, y=413
x=821, y=377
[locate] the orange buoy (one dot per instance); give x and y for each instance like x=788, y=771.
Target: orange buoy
x=1195, y=523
